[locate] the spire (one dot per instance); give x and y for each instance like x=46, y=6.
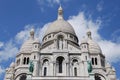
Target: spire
x=60, y=13
x=89, y=34
x=32, y=33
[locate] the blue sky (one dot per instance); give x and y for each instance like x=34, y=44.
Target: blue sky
x=17, y=18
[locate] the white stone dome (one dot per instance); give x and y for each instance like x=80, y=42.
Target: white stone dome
x=12, y=64
x=84, y=40
x=94, y=47
x=60, y=26
x=36, y=40
x=27, y=46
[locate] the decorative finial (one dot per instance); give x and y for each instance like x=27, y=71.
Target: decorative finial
x=89, y=34
x=60, y=13
x=32, y=33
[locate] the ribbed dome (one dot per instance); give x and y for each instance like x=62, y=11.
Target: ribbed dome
x=60, y=25
x=27, y=46
x=94, y=47
x=12, y=64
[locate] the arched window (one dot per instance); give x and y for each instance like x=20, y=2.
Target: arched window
x=45, y=67
x=75, y=61
x=92, y=61
x=60, y=63
x=95, y=61
x=60, y=42
x=97, y=77
x=24, y=60
x=27, y=60
x=34, y=57
x=75, y=71
x=45, y=71
x=45, y=61
x=18, y=62
x=23, y=77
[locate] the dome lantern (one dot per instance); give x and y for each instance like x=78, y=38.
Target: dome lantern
x=60, y=13
x=32, y=33
x=89, y=34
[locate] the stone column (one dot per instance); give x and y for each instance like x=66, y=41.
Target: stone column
x=21, y=59
x=54, y=69
x=85, y=68
x=67, y=69
x=65, y=43
x=40, y=69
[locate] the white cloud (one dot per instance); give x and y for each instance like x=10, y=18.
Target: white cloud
x=116, y=36
x=100, y=6
x=10, y=48
x=81, y=25
x=1, y=44
x=41, y=31
x=50, y=3
x=23, y=35
x=109, y=48
x=9, y=51
x=2, y=70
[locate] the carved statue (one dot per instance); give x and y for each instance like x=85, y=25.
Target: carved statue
x=31, y=67
x=89, y=66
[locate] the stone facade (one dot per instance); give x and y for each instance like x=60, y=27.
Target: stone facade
x=60, y=57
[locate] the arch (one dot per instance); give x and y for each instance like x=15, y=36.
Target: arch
x=34, y=56
x=97, y=77
x=45, y=62
x=18, y=62
x=28, y=60
x=92, y=61
x=75, y=58
x=59, y=62
x=60, y=33
x=75, y=71
x=24, y=60
x=45, y=67
x=45, y=71
x=101, y=74
x=95, y=61
x=45, y=58
x=23, y=77
x=60, y=42
x=74, y=61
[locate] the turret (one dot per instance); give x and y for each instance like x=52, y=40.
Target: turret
x=35, y=56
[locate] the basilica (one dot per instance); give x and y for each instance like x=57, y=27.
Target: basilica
x=60, y=56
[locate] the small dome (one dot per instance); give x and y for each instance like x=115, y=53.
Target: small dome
x=113, y=69
x=60, y=26
x=27, y=46
x=12, y=64
x=83, y=40
x=36, y=40
x=94, y=47
x=108, y=65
